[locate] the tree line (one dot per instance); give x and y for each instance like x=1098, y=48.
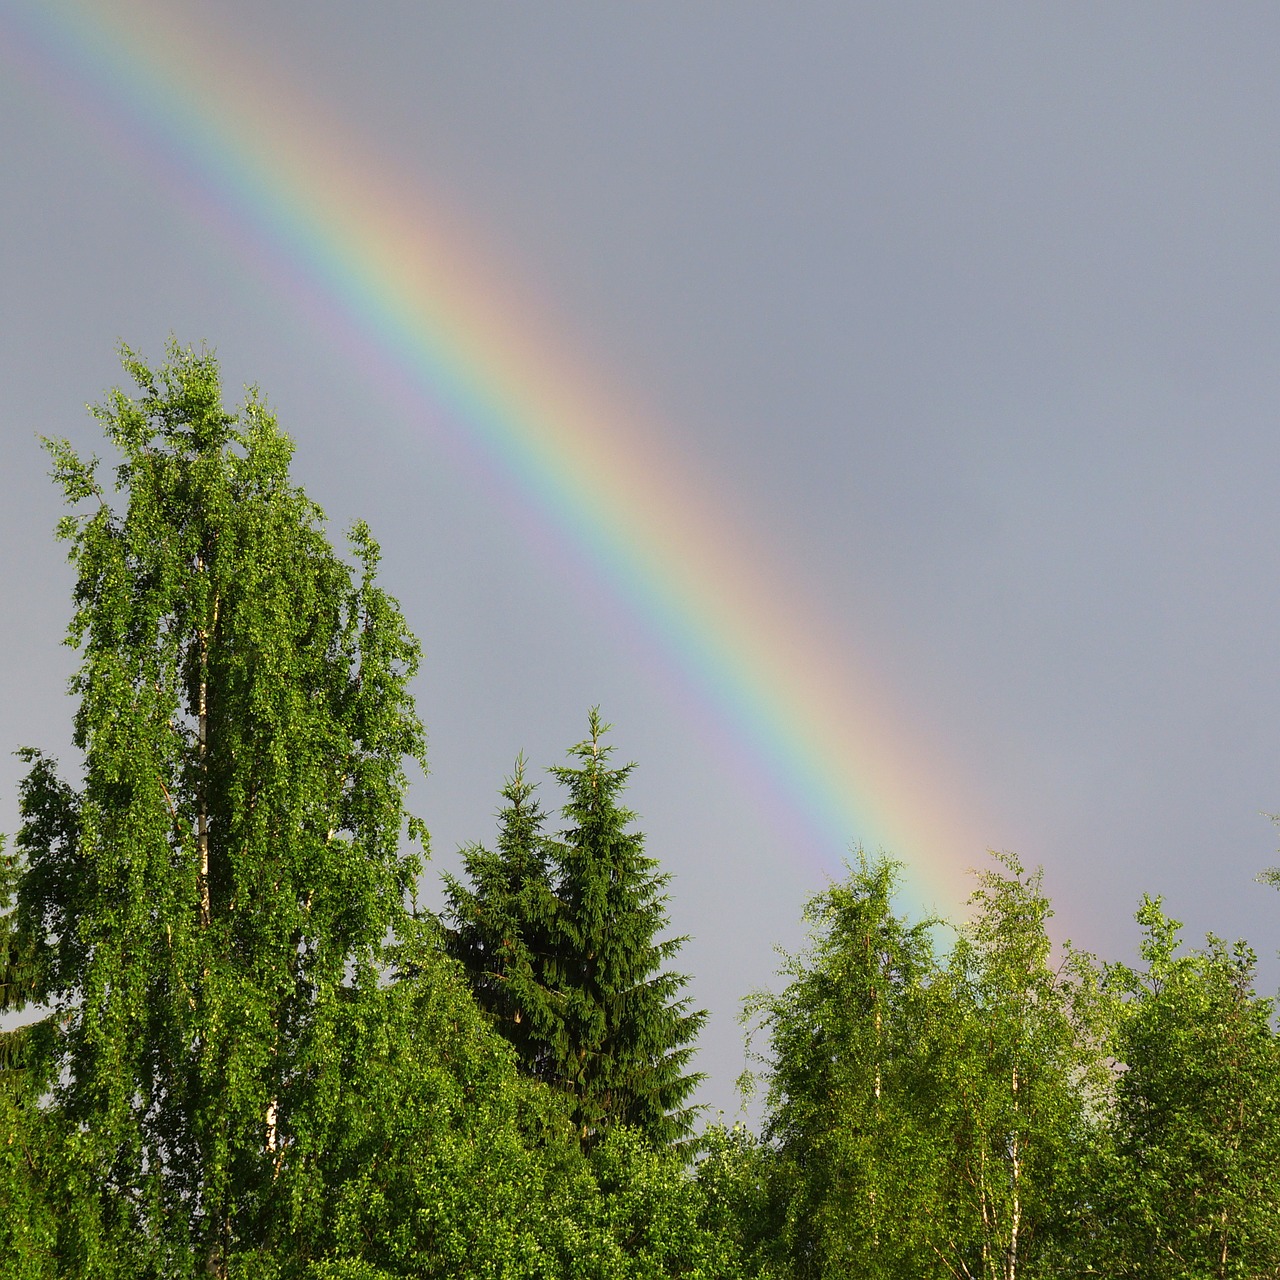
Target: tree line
x=245, y=1052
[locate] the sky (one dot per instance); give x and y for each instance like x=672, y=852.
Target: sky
x=886, y=437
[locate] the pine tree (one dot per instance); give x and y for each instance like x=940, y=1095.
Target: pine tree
x=219, y=885
x=561, y=940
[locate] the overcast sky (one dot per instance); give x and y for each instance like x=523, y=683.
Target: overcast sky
x=970, y=312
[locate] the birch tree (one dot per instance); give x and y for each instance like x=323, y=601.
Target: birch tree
x=1190, y=1185
x=1018, y=1077
x=927, y=1112
x=855, y=1169
x=224, y=871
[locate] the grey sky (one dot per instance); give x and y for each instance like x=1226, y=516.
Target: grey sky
x=972, y=311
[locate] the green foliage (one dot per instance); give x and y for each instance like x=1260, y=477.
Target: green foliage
x=561, y=941
x=252, y=1061
x=928, y=1115
x=17, y=982
x=233, y=851
x=1018, y=1072
x=444, y=1161
x=437, y=1159
x=28, y=1222
x=735, y=1175
x=852, y=1180
x=242, y=1056
x=503, y=923
x=1189, y=1186
x=666, y=1222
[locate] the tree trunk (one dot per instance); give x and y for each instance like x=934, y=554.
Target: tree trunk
x=202, y=747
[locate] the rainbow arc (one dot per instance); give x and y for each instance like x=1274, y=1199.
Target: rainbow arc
x=293, y=184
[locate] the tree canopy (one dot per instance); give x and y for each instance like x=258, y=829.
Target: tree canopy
x=240, y=1050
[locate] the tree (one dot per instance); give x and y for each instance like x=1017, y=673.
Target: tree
x=927, y=1113
x=440, y=1159
x=852, y=1182
x=223, y=877
x=1018, y=1078
x=1189, y=1186
x=561, y=940
x=502, y=926
x=28, y=1227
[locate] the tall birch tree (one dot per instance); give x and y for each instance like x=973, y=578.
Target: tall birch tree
x=1019, y=1079
x=203, y=900
x=1189, y=1185
x=847, y=1090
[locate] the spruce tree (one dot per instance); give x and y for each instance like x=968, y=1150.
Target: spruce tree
x=627, y=1034
x=215, y=891
x=561, y=938
x=502, y=925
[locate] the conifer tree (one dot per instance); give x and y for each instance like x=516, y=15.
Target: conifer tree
x=627, y=1035
x=566, y=933
x=205, y=902
x=502, y=925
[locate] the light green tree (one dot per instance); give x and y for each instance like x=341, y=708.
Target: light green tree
x=1188, y=1186
x=203, y=902
x=847, y=1090
x=928, y=1113
x=251, y=1060
x=1018, y=1084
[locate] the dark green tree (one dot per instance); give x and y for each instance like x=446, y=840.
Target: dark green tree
x=28, y=1225
x=562, y=941
x=502, y=926
x=627, y=1034
x=217, y=888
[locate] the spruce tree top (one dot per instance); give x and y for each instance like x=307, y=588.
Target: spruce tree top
x=561, y=938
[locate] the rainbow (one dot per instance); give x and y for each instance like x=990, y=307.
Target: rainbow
x=292, y=187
